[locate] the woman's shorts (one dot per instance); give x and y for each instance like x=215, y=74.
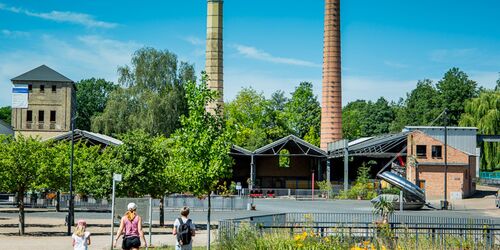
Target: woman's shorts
x=131, y=242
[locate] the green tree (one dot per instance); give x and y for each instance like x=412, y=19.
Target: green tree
x=454, y=90
x=5, y=114
x=21, y=160
x=275, y=124
x=141, y=159
x=378, y=117
x=313, y=136
x=200, y=148
x=154, y=98
x=303, y=111
x=248, y=113
x=421, y=106
x=91, y=98
x=484, y=113
x=353, y=115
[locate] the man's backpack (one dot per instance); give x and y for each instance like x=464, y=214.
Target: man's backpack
x=184, y=232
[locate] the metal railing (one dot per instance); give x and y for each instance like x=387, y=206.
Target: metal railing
x=217, y=202
x=480, y=231
x=293, y=192
x=489, y=175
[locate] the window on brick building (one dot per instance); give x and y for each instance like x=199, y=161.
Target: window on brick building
x=30, y=88
x=54, y=88
x=52, y=116
x=41, y=115
x=421, y=151
x=42, y=88
x=421, y=184
x=29, y=116
x=437, y=151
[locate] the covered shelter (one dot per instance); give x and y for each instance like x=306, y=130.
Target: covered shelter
x=89, y=138
x=289, y=162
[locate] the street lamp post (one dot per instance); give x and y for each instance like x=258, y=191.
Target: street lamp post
x=117, y=178
x=71, y=213
x=445, y=203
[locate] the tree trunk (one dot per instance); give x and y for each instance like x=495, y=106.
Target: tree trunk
x=21, y=212
x=58, y=201
x=162, y=211
x=208, y=222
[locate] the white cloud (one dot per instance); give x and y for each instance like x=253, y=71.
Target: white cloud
x=62, y=16
x=198, y=44
x=254, y=53
x=78, y=58
x=396, y=65
x=353, y=87
x=484, y=78
x=194, y=40
x=447, y=55
x=14, y=33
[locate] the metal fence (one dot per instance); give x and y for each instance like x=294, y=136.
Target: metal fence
x=173, y=202
x=481, y=231
x=294, y=193
x=217, y=202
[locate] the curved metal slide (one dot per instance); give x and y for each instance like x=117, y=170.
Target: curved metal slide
x=411, y=191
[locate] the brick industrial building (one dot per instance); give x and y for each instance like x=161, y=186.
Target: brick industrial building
x=50, y=98
x=425, y=147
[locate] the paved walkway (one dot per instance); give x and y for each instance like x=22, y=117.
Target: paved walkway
x=97, y=242
x=42, y=222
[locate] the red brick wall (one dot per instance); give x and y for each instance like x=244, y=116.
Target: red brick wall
x=434, y=180
x=459, y=177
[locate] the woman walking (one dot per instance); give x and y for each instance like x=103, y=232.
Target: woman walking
x=131, y=227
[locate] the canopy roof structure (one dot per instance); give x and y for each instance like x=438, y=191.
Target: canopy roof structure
x=379, y=146
x=298, y=147
x=88, y=137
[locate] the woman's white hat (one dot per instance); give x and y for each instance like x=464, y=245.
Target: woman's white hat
x=131, y=206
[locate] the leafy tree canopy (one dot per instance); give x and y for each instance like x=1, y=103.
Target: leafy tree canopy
x=5, y=114
x=91, y=99
x=454, y=90
x=483, y=112
x=153, y=99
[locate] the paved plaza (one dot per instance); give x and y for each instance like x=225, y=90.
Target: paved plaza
x=46, y=228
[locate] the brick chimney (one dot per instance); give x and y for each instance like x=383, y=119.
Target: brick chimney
x=331, y=106
x=213, y=64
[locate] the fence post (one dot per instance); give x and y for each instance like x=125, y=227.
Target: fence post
x=416, y=237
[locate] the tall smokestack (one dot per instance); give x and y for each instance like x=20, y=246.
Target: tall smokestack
x=331, y=108
x=213, y=64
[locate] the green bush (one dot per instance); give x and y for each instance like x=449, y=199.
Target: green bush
x=391, y=190
x=363, y=188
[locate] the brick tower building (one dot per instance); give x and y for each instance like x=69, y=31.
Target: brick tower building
x=331, y=107
x=214, y=63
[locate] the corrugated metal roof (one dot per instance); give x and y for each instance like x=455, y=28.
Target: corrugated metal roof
x=285, y=140
x=6, y=128
x=461, y=138
x=104, y=139
x=241, y=150
x=42, y=73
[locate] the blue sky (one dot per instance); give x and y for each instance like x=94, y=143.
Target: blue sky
x=387, y=45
